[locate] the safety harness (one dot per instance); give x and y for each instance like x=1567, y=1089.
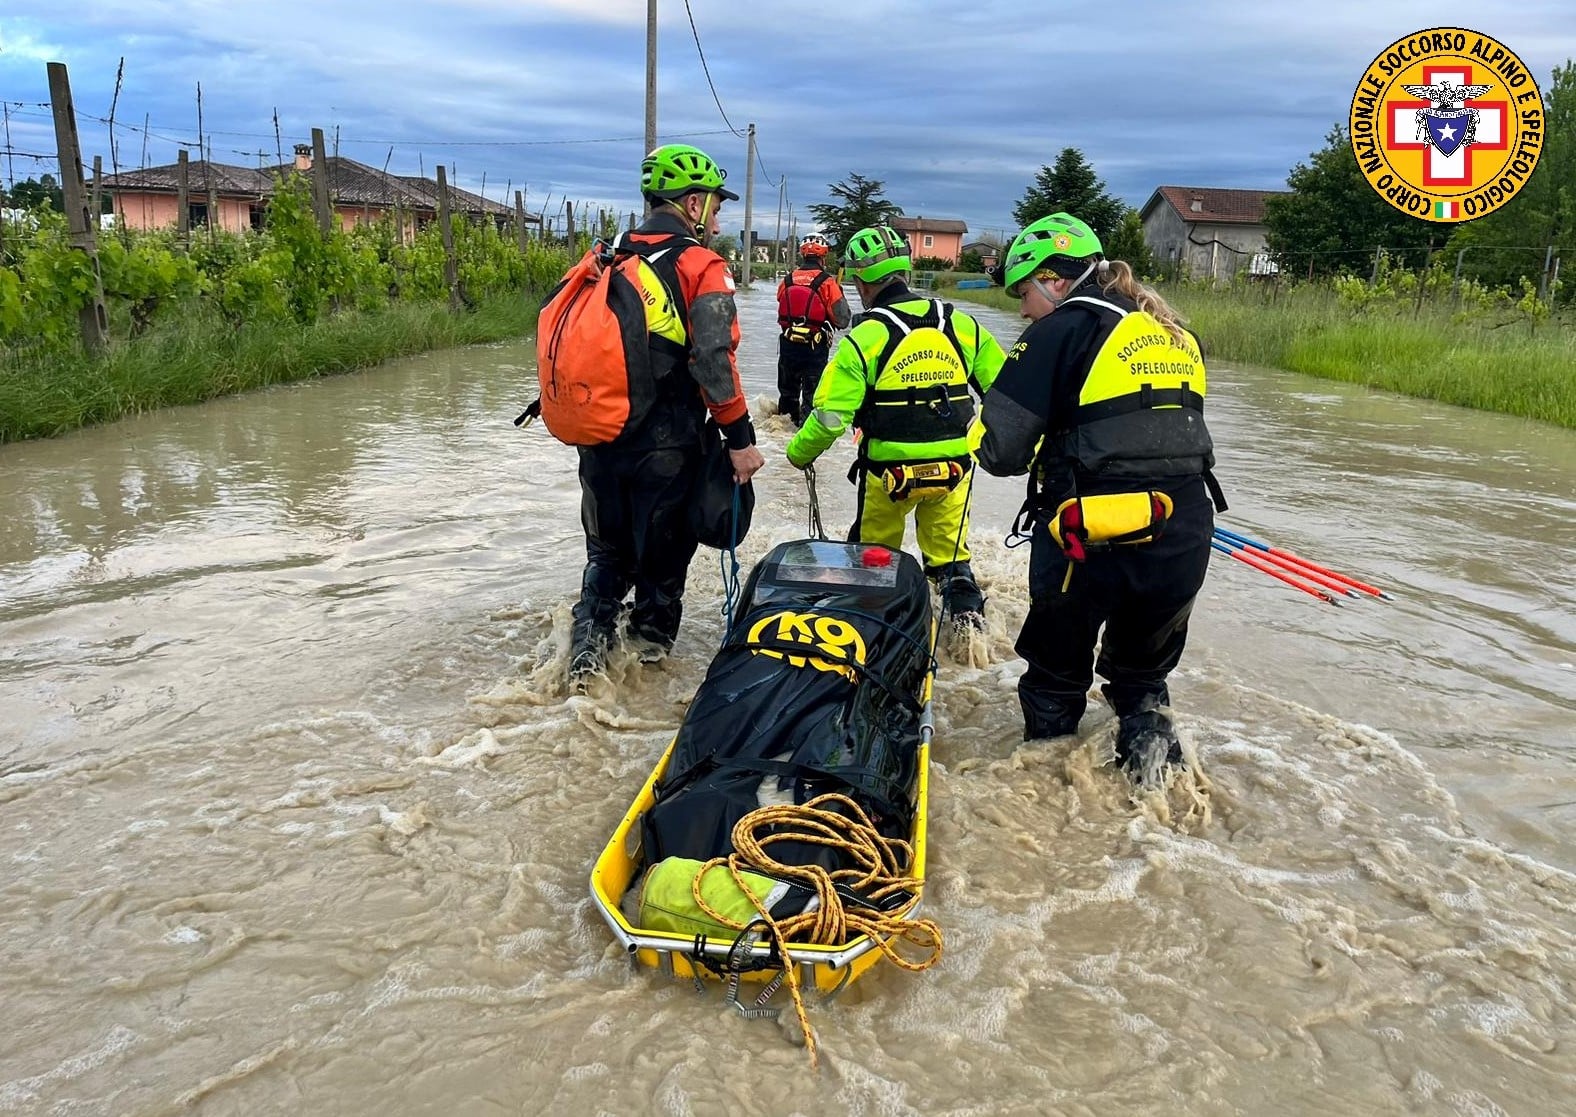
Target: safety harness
x=803, y=328
x=917, y=413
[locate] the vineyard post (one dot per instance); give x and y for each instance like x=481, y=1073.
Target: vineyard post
x=95, y=322
x=451, y=269
x=183, y=212
x=325, y=216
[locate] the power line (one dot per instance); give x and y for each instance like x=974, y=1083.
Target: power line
x=705, y=69
x=152, y=132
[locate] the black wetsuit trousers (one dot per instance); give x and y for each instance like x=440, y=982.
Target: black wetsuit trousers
x=798, y=372
x=1142, y=595
x=634, y=508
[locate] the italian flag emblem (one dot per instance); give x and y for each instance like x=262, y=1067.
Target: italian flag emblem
x=1447, y=210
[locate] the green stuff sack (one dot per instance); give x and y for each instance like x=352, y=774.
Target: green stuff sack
x=667, y=900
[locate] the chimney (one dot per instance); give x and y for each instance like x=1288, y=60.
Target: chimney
x=1196, y=205
x=303, y=154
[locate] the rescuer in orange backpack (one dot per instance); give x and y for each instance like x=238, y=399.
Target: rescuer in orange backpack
x=635, y=491
x=810, y=305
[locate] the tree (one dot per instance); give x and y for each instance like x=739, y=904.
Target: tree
x=1541, y=215
x=1334, y=219
x=971, y=260
x=1127, y=243
x=30, y=194
x=1071, y=186
x=862, y=205
x=725, y=246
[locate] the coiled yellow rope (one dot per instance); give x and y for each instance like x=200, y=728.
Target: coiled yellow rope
x=881, y=868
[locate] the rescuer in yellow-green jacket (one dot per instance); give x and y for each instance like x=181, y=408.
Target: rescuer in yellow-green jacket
x=903, y=376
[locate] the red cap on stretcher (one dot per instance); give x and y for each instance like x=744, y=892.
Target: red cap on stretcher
x=876, y=556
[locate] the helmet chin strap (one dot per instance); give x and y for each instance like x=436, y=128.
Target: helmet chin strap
x=705, y=219
x=1083, y=276
x=1039, y=285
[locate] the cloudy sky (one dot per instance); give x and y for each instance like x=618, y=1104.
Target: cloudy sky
x=954, y=106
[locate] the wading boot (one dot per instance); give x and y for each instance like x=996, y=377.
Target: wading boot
x=649, y=650
x=961, y=597
x=587, y=654
x=1046, y=715
x=1147, y=745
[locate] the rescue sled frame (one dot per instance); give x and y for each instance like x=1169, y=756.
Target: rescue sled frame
x=825, y=968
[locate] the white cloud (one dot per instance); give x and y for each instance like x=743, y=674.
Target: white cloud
x=19, y=45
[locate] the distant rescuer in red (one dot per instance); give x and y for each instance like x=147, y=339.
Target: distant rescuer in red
x=1102, y=403
x=810, y=305
x=635, y=491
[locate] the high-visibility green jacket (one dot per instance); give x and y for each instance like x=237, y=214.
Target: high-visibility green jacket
x=903, y=376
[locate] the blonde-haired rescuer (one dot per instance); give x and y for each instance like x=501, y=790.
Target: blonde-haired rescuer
x=1101, y=402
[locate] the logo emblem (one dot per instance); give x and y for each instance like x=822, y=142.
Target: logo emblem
x=837, y=641
x=1447, y=124
x=1062, y=241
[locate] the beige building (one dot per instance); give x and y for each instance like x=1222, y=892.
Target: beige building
x=236, y=198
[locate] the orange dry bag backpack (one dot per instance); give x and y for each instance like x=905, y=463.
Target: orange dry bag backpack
x=607, y=335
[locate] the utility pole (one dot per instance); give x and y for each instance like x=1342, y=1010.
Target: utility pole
x=651, y=83
x=749, y=207
x=651, y=75
x=777, y=239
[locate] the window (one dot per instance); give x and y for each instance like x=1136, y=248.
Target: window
x=196, y=214
x=930, y=241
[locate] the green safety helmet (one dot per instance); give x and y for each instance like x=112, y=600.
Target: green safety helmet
x=876, y=253
x=674, y=170
x=1060, y=243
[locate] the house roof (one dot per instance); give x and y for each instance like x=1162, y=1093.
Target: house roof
x=458, y=198
x=227, y=179
x=928, y=225
x=350, y=183
x=1216, y=206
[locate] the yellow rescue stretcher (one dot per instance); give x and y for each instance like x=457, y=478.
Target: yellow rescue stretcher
x=828, y=593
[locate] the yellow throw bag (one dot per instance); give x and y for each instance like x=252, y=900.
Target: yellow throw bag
x=921, y=480
x=1103, y=521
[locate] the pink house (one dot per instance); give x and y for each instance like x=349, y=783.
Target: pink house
x=359, y=194
x=932, y=236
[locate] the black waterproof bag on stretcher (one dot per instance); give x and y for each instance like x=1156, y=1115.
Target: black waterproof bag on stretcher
x=822, y=686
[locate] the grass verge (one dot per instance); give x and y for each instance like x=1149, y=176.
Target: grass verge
x=1433, y=353
x=44, y=394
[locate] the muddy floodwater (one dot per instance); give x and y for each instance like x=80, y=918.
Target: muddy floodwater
x=296, y=816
